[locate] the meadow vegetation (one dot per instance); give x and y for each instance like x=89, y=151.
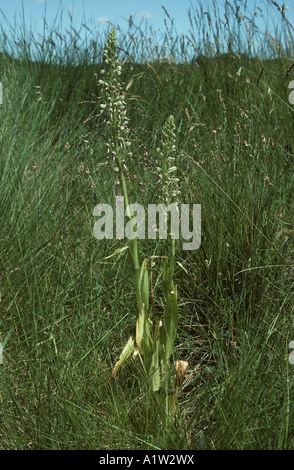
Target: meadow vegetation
x=67, y=312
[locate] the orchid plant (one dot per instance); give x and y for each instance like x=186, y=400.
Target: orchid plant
x=154, y=339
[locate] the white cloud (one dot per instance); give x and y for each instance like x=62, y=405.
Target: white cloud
x=102, y=19
x=146, y=14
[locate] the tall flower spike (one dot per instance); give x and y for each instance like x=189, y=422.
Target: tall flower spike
x=113, y=103
x=167, y=170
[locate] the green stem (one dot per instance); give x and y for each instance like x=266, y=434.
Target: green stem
x=130, y=215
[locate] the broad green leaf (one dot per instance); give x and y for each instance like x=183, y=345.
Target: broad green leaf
x=143, y=337
x=140, y=326
x=126, y=352
x=145, y=290
x=154, y=370
x=144, y=285
x=142, y=270
x=170, y=324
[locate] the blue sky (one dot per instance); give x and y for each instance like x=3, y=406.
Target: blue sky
x=98, y=13
x=101, y=11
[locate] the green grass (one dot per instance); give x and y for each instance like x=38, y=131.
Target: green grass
x=70, y=312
